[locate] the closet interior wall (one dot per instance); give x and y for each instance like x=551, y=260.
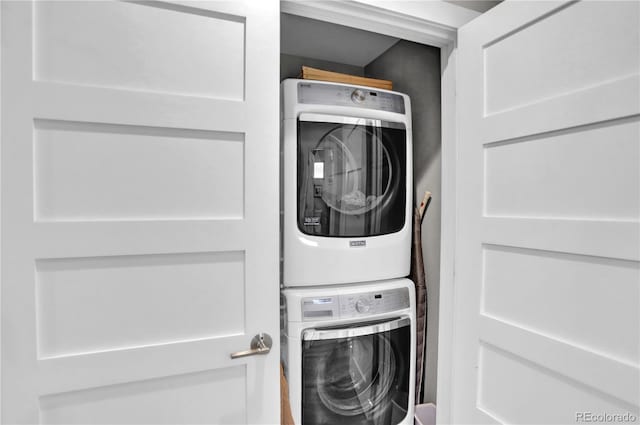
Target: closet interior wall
x=415, y=70
x=290, y=66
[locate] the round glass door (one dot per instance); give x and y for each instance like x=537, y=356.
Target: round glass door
x=351, y=177
x=370, y=373
x=361, y=378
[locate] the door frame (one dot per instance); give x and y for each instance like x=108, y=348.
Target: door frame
x=436, y=27
x=1, y=44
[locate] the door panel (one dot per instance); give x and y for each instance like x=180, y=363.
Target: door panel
x=139, y=248
x=549, y=157
x=127, y=47
x=547, y=291
x=157, y=401
x=553, y=62
x=74, y=169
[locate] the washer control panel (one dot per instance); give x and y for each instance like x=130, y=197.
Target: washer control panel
x=355, y=305
x=328, y=94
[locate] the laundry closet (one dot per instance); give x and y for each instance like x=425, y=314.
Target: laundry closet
x=507, y=114
x=414, y=70
x=140, y=225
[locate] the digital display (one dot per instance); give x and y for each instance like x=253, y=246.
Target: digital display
x=322, y=300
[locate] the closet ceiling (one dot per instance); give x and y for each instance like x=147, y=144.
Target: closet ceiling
x=477, y=5
x=330, y=42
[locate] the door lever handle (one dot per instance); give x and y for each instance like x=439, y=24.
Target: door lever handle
x=260, y=344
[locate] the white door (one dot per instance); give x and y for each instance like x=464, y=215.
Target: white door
x=139, y=211
x=547, y=297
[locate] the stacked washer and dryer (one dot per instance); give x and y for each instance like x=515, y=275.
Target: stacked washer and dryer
x=348, y=342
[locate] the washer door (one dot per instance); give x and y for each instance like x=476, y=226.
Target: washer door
x=351, y=176
x=356, y=375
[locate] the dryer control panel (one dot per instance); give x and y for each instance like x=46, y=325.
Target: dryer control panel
x=361, y=97
x=355, y=305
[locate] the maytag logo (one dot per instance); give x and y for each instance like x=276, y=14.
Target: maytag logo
x=354, y=244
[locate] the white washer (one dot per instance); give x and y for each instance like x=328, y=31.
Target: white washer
x=347, y=183
x=349, y=353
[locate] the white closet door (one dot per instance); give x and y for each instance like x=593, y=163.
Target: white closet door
x=139, y=211
x=547, y=297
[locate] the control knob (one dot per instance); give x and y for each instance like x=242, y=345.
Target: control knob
x=362, y=306
x=358, y=96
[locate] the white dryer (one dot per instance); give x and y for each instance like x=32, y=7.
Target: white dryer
x=347, y=183
x=349, y=353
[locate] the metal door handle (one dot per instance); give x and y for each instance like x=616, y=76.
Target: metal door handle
x=260, y=344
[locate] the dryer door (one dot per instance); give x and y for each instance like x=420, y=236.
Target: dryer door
x=356, y=375
x=351, y=176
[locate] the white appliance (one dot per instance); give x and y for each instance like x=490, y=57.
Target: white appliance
x=349, y=353
x=347, y=183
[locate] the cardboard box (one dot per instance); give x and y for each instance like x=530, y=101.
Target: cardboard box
x=309, y=73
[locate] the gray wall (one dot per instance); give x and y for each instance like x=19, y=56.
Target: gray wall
x=290, y=66
x=415, y=70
